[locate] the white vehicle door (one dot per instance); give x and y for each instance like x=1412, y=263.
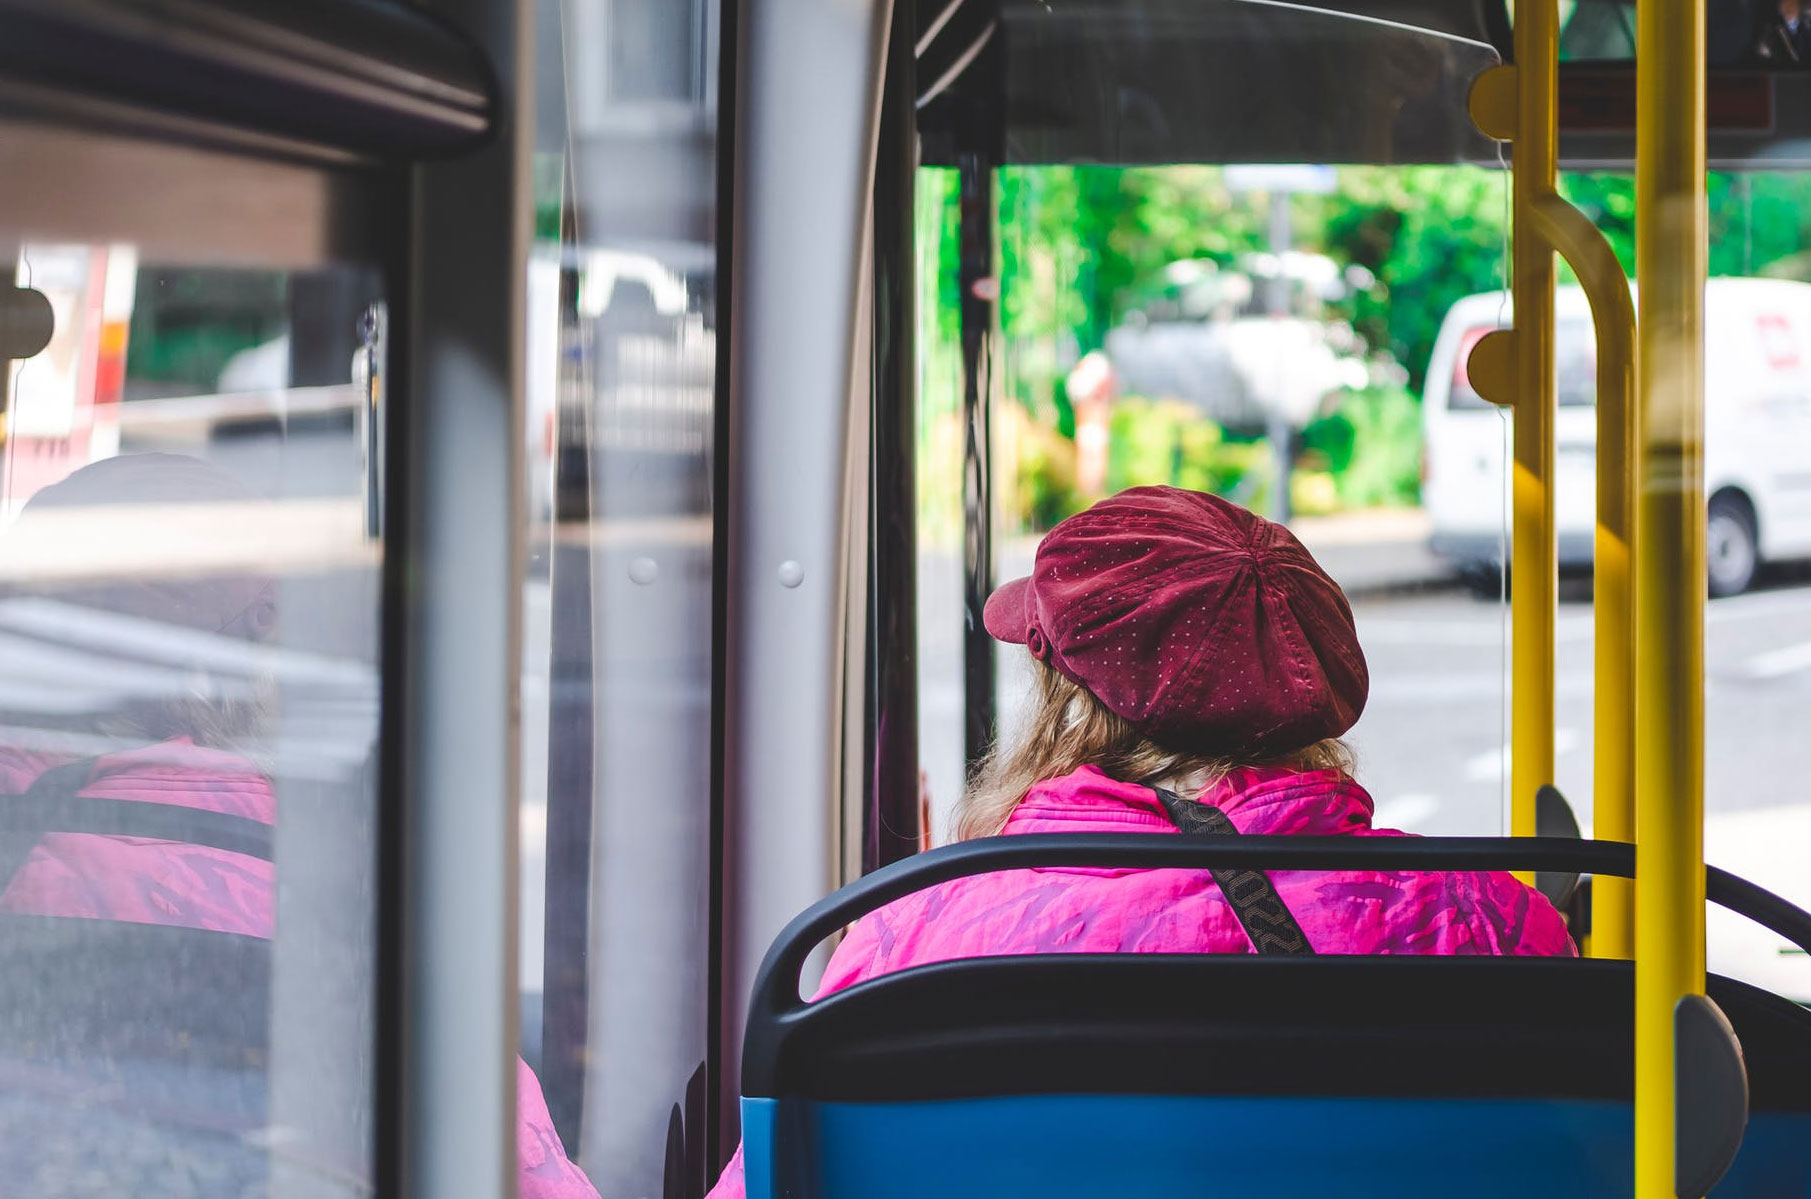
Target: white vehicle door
x=1768, y=422
x=1466, y=442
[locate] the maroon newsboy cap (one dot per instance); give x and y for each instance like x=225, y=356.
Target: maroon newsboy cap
x=1209, y=628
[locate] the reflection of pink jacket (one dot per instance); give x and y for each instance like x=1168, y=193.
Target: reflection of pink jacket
x=1177, y=911
x=161, y=882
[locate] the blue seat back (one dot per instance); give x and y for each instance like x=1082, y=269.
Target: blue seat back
x=1058, y=1146
x=1153, y=1074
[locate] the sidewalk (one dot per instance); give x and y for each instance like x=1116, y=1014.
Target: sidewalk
x=1378, y=550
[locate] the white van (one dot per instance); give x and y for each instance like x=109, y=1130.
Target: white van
x=1757, y=432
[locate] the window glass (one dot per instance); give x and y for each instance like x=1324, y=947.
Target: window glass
x=1181, y=301
x=1770, y=34
x=188, y=717
x=940, y=494
x=1757, y=441
x=1155, y=331
x=616, y=732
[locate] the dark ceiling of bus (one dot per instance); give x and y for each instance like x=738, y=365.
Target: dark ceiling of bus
x=1130, y=82
x=1151, y=81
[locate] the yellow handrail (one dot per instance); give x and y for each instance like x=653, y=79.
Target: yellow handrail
x=1533, y=559
x=1670, y=571
x=1517, y=369
x=1613, y=785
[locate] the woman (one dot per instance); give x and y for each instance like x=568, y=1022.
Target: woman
x=1182, y=647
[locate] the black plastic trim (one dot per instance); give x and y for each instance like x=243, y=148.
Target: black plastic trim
x=390, y=849
x=721, y=1120
x=776, y=986
x=1219, y=1024
x=36, y=102
x=890, y=816
x=123, y=818
x=975, y=167
x=362, y=76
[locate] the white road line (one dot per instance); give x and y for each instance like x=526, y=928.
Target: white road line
x=1778, y=663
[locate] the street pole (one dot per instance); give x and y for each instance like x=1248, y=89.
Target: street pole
x=1278, y=432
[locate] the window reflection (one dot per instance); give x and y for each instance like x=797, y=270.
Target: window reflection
x=1772, y=34
x=616, y=712
x=188, y=609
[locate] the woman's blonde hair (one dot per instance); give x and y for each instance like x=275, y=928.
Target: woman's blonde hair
x=1068, y=728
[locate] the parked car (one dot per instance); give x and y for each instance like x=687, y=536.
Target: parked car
x=1757, y=443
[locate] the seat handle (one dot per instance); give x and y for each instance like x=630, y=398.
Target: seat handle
x=1710, y=1106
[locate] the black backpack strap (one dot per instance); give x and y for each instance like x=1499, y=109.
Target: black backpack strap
x=19, y=837
x=1254, y=899
x=55, y=804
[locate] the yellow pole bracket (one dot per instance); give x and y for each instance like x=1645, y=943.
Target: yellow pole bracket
x=1544, y=223
x=1519, y=104
x=1606, y=288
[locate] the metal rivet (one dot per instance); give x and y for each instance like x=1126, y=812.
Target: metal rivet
x=644, y=571
x=791, y=573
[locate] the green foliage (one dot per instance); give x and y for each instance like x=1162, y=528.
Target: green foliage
x=939, y=351
x=1164, y=441
x=1078, y=244
x=187, y=325
x=1609, y=200
x=549, y=191
x=1080, y=248
x=1371, y=446
x=1042, y=490
x=1429, y=235
x=1760, y=223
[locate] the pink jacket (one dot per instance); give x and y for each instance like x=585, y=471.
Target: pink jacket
x=161, y=882
x=1178, y=911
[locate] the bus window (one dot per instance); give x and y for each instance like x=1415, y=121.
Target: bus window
x=616, y=689
x=1757, y=430
x=1176, y=304
x=189, y=603
x=1178, y=373
x=1765, y=34
x=940, y=494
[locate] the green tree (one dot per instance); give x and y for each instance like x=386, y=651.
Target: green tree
x=1429, y=235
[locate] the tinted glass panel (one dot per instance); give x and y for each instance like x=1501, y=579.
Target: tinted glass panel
x=1768, y=34
x=616, y=693
x=1181, y=301
x=188, y=716
x=1165, y=81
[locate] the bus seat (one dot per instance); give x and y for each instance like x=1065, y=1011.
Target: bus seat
x=1085, y=1075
